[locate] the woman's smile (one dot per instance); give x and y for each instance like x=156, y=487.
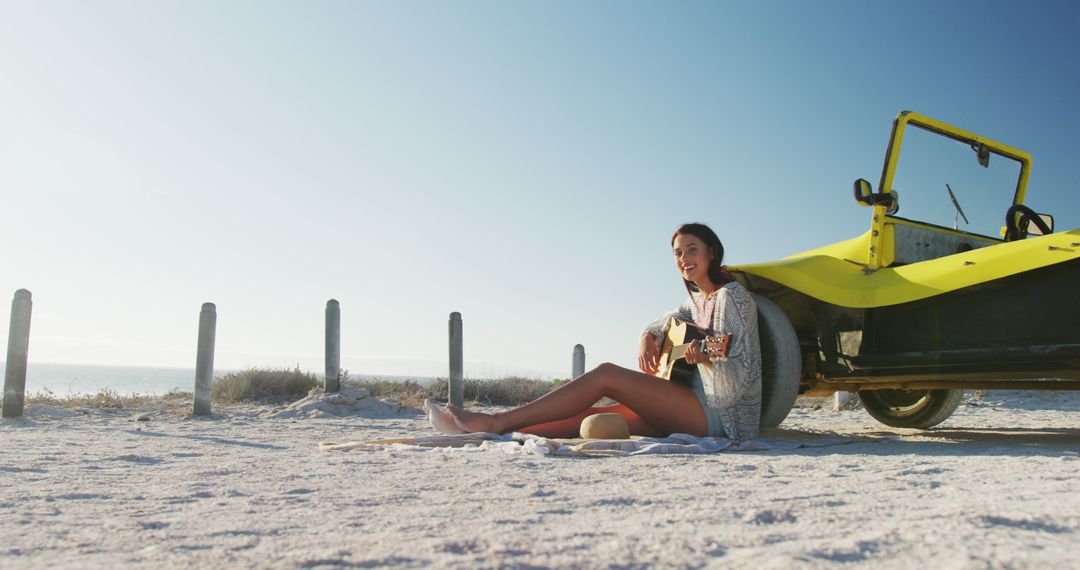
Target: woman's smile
x=692, y=257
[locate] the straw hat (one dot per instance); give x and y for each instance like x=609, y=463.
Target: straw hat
x=605, y=426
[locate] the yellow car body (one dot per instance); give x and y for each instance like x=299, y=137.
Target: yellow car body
x=911, y=306
x=839, y=274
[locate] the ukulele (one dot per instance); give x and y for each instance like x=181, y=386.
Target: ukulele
x=673, y=364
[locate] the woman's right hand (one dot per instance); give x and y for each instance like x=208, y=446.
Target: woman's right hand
x=649, y=355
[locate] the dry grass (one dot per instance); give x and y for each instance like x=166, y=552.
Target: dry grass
x=104, y=398
x=263, y=384
x=510, y=391
x=409, y=392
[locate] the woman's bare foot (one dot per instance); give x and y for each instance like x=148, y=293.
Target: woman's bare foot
x=473, y=422
x=440, y=419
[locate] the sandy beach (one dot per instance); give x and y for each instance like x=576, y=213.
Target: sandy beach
x=996, y=486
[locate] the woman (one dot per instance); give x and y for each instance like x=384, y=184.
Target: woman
x=724, y=399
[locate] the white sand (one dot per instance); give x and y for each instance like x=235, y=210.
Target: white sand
x=995, y=486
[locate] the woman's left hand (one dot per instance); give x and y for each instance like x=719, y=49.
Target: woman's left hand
x=694, y=354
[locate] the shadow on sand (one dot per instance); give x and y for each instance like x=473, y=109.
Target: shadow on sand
x=206, y=438
x=1051, y=442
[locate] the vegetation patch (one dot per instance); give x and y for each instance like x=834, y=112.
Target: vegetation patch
x=276, y=385
x=263, y=384
x=103, y=398
x=509, y=391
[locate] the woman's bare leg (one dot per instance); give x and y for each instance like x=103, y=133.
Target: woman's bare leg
x=571, y=427
x=666, y=407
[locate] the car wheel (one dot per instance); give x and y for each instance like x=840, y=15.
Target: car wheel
x=781, y=363
x=911, y=408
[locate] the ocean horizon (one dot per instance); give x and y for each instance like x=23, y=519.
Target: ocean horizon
x=71, y=379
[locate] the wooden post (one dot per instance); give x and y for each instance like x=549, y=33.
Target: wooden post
x=332, y=382
x=17, y=352
x=457, y=367
x=204, y=361
x=579, y=361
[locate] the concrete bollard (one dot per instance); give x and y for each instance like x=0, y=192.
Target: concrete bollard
x=332, y=381
x=579, y=361
x=204, y=361
x=457, y=363
x=17, y=352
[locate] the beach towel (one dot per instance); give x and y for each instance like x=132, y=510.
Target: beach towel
x=528, y=444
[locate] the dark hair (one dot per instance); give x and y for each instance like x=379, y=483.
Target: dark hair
x=717, y=273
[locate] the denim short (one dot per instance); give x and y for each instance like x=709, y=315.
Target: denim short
x=712, y=415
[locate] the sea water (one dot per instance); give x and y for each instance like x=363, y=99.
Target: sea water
x=70, y=379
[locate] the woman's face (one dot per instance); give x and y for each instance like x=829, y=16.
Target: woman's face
x=692, y=257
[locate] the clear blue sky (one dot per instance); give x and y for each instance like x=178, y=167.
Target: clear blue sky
x=524, y=164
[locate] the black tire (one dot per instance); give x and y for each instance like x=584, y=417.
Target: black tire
x=781, y=363
x=918, y=409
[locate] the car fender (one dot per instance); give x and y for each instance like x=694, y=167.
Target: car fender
x=838, y=274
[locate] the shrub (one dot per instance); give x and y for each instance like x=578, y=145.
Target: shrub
x=510, y=391
x=409, y=392
x=269, y=384
x=258, y=384
x=103, y=398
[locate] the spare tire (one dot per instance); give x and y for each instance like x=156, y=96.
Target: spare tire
x=781, y=363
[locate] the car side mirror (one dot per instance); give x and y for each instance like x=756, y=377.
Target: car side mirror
x=1034, y=230
x=865, y=196
x=892, y=202
x=864, y=193
x=983, y=154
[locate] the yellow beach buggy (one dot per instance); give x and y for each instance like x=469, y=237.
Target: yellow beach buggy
x=911, y=313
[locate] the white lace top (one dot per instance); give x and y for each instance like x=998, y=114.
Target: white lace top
x=732, y=387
